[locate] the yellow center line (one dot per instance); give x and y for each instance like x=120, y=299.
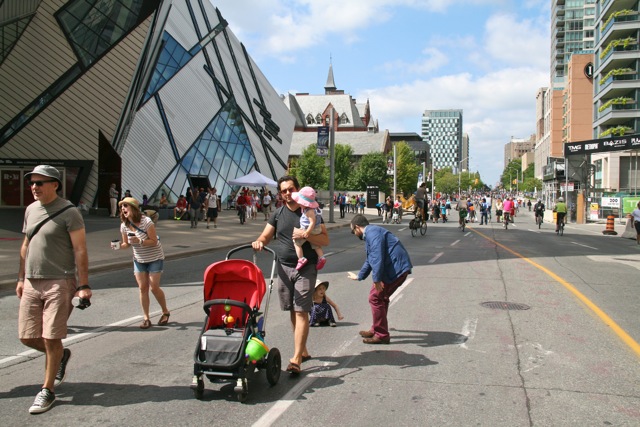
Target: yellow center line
x=601, y=314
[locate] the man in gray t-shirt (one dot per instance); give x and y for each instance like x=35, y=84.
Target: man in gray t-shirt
x=295, y=286
x=53, y=253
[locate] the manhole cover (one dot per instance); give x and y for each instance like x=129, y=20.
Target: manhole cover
x=503, y=305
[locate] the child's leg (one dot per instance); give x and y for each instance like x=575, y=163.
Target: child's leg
x=299, y=252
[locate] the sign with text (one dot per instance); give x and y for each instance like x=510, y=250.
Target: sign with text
x=615, y=143
x=610, y=202
x=323, y=141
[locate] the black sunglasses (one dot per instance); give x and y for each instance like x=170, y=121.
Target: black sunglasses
x=39, y=183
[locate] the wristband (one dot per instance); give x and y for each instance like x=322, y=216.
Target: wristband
x=82, y=288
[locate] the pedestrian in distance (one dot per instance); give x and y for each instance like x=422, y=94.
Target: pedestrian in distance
x=139, y=233
x=636, y=222
x=113, y=201
x=213, y=206
x=295, y=286
x=323, y=306
x=484, y=219
x=53, y=261
x=389, y=264
x=194, y=210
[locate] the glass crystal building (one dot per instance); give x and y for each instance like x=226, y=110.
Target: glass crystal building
x=153, y=95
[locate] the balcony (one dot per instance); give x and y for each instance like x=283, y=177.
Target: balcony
x=618, y=74
x=619, y=45
x=625, y=15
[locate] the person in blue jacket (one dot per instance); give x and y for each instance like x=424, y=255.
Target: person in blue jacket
x=389, y=263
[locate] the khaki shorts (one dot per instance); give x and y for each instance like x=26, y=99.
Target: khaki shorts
x=314, y=231
x=45, y=308
x=295, y=287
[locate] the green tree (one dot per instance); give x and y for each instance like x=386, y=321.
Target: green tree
x=407, y=169
x=343, y=166
x=446, y=182
x=510, y=173
x=370, y=170
x=310, y=169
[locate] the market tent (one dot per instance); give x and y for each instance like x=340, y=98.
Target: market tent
x=253, y=179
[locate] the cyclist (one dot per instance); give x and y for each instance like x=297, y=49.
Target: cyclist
x=538, y=210
x=561, y=212
x=421, y=195
x=462, y=210
x=507, y=208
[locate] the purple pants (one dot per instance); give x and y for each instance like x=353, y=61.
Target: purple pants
x=379, y=302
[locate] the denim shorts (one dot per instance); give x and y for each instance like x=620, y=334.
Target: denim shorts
x=148, y=267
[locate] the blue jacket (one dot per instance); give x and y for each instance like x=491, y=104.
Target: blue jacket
x=387, y=259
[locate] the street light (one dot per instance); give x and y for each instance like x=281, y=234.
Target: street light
x=511, y=181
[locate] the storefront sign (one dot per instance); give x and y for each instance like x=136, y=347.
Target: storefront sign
x=610, y=202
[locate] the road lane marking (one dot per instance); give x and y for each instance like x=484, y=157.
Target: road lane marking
x=76, y=337
x=435, y=258
x=586, y=246
x=621, y=333
x=468, y=331
x=280, y=407
x=467, y=234
x=455, y=243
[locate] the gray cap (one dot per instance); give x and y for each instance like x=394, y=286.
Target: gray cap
x=45, y=170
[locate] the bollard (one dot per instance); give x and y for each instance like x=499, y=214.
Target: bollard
x=629, y=230
x=609, y=231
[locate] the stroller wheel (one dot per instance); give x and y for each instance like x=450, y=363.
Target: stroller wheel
x=274, y=365
x=197, y=385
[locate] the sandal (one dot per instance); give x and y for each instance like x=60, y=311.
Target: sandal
x=164, y=319
x=306, y=358
x=293, y=368
x=146, y=324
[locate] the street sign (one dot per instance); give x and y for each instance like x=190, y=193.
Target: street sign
x=610, y=202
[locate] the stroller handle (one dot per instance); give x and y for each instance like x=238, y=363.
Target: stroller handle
x=208, y=304
x=248, y=246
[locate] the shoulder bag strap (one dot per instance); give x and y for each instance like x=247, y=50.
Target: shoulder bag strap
x=44, y=221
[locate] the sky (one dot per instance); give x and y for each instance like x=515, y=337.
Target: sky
x=486, y=57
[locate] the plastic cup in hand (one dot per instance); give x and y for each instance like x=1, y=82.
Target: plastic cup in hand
x=129, y=236
x=115, y=245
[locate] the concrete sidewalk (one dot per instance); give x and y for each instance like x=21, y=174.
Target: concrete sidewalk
x=178, y=239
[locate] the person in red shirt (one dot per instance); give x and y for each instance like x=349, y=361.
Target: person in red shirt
x=181, y=207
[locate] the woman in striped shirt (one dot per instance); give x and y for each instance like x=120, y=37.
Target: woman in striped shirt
x=139, y=232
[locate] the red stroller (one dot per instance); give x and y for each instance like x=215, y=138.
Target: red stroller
x=231, y=343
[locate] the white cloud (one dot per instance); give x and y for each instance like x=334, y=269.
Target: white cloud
x=525, y=42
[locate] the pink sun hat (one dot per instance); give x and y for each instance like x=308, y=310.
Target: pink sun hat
x=306, y=197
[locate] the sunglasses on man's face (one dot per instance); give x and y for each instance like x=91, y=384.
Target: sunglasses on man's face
x=288, y=190
x=39, y=183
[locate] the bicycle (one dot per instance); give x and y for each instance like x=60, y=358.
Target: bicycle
x=418, y=223
x=507, y=218
x=539, y=220
x=463, y=217
x=560, y=224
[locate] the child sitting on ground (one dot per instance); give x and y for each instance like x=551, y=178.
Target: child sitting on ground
x=321, y=313
x=310, y=221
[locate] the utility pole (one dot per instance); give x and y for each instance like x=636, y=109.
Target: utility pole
x=332, y=165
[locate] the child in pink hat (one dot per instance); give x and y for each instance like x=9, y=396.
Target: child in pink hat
x=311, y=222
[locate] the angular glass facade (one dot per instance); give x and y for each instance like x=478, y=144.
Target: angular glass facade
x=221, y=152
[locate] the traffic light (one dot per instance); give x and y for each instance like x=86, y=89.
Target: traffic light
x=475, y=182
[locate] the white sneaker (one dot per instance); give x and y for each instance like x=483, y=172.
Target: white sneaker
x=44, y=401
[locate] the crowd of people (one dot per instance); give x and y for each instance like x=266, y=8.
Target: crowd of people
x=46, y=289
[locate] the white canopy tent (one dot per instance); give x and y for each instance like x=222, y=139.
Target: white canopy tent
x=254, y=179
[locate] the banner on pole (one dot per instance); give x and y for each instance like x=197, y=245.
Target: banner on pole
x=323, y=141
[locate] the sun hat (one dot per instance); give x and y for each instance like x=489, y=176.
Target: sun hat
x=45, y=170
x=129, y=201
x=322, y=282
x=305, y=197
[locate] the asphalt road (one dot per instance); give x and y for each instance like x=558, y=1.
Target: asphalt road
x=564, y=353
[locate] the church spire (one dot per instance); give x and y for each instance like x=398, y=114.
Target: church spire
x=331, y=85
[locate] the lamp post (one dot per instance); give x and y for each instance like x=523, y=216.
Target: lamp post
x=511, y=181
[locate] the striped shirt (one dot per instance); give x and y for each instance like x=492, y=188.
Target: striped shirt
x=144, y=254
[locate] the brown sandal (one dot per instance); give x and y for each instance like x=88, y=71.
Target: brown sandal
x=293, y=368
x=146, y=324
x=164, y=319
